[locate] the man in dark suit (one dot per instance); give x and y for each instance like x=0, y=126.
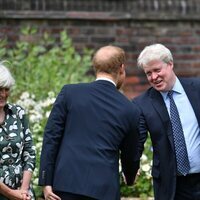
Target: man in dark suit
x=175, y=135
x=90, y=126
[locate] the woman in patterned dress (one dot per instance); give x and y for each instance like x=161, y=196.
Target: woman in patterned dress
x=17, y=152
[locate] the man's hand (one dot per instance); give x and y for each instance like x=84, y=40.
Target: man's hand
x=49, y=195
x=136, y=177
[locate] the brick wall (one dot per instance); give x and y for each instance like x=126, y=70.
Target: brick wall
x=126, y=23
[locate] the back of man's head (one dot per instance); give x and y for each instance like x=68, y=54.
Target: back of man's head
x=108, y=59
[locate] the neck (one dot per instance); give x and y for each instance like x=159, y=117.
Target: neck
x=2, y=115
x=105, y=75
x=173, y=81
x=1, y=110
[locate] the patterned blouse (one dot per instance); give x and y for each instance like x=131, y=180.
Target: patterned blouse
x=17, y=152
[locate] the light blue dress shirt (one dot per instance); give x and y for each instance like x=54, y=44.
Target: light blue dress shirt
x=189, y=123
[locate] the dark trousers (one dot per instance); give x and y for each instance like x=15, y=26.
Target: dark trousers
x=70, y=196
x=188, y=187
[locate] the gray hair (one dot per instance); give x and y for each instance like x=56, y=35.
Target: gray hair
x=154, y=52
x=6, y=79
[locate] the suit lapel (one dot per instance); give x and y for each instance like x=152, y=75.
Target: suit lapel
x=193, y=95
x=160, y=107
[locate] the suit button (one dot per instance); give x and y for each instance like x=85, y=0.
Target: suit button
x=43, y=174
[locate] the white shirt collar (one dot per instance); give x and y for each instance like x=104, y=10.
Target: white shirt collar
x=106, y=79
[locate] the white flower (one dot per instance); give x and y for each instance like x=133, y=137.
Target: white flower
x=47, y=114
x=120, y=167
x=36, y=128
x=144, y=157
x=146, y=167
x=25, y=95
x=38, y=145
x=48, y=102
x=51, y=94
x=35, y=116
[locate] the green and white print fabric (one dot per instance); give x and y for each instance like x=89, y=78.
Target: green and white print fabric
x=17, y=151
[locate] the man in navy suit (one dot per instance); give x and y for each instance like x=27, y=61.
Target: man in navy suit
x=90, y=126
x=170, y=183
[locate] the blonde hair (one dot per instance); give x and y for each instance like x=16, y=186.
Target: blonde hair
x=6, y=79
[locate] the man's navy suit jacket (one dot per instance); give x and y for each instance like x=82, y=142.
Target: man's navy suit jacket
x=155, y=119
x=87, y=126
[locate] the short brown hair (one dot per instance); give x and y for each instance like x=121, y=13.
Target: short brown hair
x=108, y=59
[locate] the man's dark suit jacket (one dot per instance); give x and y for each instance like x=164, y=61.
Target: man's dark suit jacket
x=88, y=125
x=155, y=119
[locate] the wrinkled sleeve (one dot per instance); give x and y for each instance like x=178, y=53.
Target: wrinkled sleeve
x=29, y=154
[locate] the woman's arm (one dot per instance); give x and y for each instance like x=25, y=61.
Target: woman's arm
x=13, y=194
x=26, y=183
x=28, y=155
x=26, y=180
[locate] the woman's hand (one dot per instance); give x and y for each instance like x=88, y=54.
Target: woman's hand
x=25, y=195
x=13, y=194
x=17, y=195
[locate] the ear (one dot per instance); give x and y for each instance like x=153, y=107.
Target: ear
x=171, y=64
x=122, y=69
